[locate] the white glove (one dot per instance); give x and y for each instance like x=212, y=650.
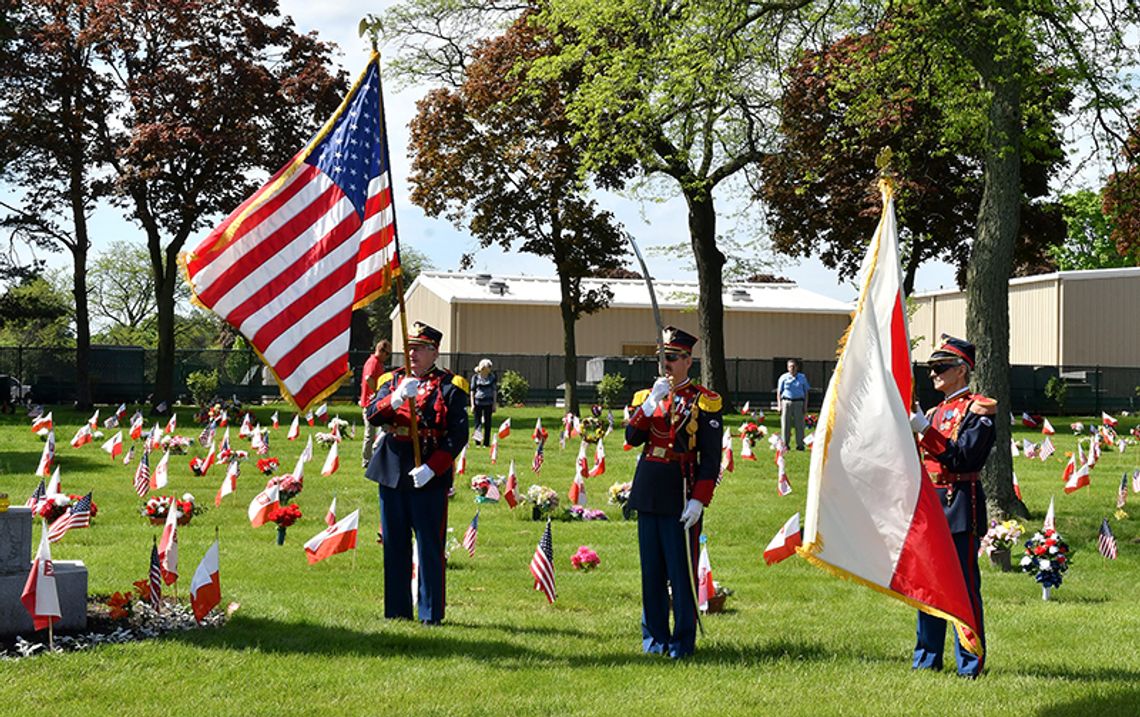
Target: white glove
x=656, y=394
x=421, y=475
x=407, y=389
x=918, y=422
x=692, y=513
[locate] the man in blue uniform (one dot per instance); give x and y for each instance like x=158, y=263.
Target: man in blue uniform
x=956, y=437
x=679, y=426
x=791, y=398
x=414, y=498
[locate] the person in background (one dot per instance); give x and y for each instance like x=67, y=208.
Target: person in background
x=791, y=398
x=484, y=390
x=374, y=367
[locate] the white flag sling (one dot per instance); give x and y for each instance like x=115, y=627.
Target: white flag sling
x=871, y=515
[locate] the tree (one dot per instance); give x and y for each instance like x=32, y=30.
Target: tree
x=35, y=313
x=50, y=97
x=495, y=153
x=204, y=98
x=1090, y=243
x=377, y=315
x=1122, y=200
x=819, y=187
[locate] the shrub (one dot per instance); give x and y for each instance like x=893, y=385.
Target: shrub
x=610, y=389
x=1056, y=389
x=203, y=386
x=513, y=388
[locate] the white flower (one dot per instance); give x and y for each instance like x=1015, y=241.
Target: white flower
x=1052, y=549
x=1044, y=564
x=1026, y=560
x=188, y=497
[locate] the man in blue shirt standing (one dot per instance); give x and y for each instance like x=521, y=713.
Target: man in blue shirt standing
x=791, y=397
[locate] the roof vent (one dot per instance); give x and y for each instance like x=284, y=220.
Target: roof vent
x=482, y=279
x=741, y=295
x=498, y=287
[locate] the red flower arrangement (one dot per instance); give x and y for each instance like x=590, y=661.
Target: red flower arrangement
x=56, y=505
x=288, y=486
x=120, y=605
x=585, y=559
x=157, y=507
x=753, y=432
x=810, y=420
x=268, y=466
x=285, y=515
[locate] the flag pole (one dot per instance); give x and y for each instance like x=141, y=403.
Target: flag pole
x=51, y=635
x=413, y=427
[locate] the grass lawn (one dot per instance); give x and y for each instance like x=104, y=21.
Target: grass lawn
x=311, y=640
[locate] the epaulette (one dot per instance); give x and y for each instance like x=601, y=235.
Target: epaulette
x=710, y=401
x=639, y=397
x=983, y=405
x=384, y=378
x=457, y=380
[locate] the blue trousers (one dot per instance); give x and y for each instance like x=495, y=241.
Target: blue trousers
x=661, y=543
x=423, y=512
x=931, y=632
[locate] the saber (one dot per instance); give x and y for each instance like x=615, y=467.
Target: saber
x=669, y=419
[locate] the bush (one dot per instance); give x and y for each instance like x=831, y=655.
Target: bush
x=610, y=389
x=1056, y=389
x=513, y=388
x=203, y=386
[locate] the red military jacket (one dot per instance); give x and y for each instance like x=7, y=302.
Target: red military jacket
x=954, y=450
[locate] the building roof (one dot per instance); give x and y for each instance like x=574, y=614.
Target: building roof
x=1127, y=272
x=463, y=288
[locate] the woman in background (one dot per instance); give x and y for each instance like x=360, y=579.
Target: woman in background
x=484, y=389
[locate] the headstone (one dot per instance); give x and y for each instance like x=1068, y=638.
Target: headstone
x=16, y=562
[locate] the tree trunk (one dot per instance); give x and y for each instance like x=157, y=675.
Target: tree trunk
x=165, y=274
x=710, y=305
x=82, y=319
x=987, y=281
x=569, y=342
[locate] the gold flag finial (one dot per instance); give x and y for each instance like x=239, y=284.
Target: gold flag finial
x=886, y=174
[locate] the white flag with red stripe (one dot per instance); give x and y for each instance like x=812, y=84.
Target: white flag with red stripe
x=136, y=427
x=172, y=424
x=40, y=597
x=705, y=586
x=784, y=543
x=872, y=515
x=82, y=437
x=294, y=429
x=114, y=445
x=47, y=456
x=494, y=450
x=262, y=504
x=332, y=462
x=161, y=473
x=1107, y=419
x=246, y=429
x=727, y=464
x=599, y=461
x=1047, y=428
x=206, y=584
x=337, y=538
x=330, y=517
x=43, y=423
x=511, y=491
x=229, y=483
x=461, y=462
x=276, y=420
x=168, y=546
x=505, y=428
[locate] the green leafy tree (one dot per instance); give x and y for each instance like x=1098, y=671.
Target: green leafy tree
x=35, y=313
x=374, y=321
x=1089, y=243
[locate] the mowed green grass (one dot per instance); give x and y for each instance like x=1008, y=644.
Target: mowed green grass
x=312, y=640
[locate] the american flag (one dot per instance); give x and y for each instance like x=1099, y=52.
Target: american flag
x=1122, y=492
x=142, y=474
x=471, y=535
x=154, y=578
x=542, y=565
x=1106, y=541
x=539, y=456
x=77, y=516
x=37, y=495
x=288, y=266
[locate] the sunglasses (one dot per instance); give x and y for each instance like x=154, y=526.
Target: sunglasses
x=941, y=368
x=674, y=357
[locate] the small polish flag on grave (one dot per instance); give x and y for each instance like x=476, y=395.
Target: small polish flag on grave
x=294, y=429
x=161, y=474
x=727, y=464
x=154, y=440
x=783, y=545
x=82, y=437
x=276, y=420
x=55, y=485
x=330, y=517
x=332, y=462
x=746, y=453
x=706, y=588
x=168, y=546
x=1028, y=421
x=172, y=424
x=114, y=445
x=206, y=585
x=1016, y=487
x=583, y=467
x=494, y=450
x=746, y=409
x=1047, y=428
x=505, y=428
x=1014, y=450
x=337, y=538
x=1078, y=480
x=310, y=418
x=783, y=486
x=578, y=491
x=322, y=412
x=42, y=423
x=511, y=491
x=262, y=505
x=40, y=597
x=47, y=456
x=136, y=427
x=229, y=483
x=461, y=462
x=94, y=420
x=599, y=461
x=1107, y=419
x=246, y=429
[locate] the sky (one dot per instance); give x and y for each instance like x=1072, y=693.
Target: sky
x=652, y=223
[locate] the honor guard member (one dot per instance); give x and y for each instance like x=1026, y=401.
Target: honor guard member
x=414, y=498
x=955, y=438
x=678, y=423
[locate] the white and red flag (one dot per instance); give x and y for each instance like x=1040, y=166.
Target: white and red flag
x=1050, y=522
x=1047, y=428
x=706, y=588
x=225, y=453
x=310, y=418
x=337, y=538
x=783, y=485
x=206, y=584
x=172, y=424
x=40, y=597
x=168, y=546
x=161, y=474
x=330, y=517
x=577, y=492
x=322, y=412
x=229, y=482
x=1016, y=487
x=276, y=420
x=746, y=408
x=94, y=421
x=42, y=423
x=136, y=427
x=55, y=483
x=1014, y=447
x=47, y=456
x=83, y=436
x=504, y=429
x=511, y=491
x=461, y=462
x=246, y=429
x=746, y=453
x=494, y=450
x=872, y=514
x=224, y=418
x=154, y=439
x=114, y=445
x=583, y=466
x=332, y=461
x=1078, y=479
x=208, y=461
x=727, y=464
x=262, y=504
x=599, y=461
x=1028, y=421
x=784, y=543
x=294, y=428
x=1107, y=420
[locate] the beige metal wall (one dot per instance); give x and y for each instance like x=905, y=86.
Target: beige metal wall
x=432, y=310
x=1099, y=323
x=934, y=316
x=507, y=328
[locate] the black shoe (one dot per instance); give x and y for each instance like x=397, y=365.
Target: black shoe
x=430, y=623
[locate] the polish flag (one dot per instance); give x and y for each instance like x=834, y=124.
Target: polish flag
x=1050, y=520
x=224, y=450
x=206, y=585
x=257, y=441
x=330, y=517
x=322, y=412
x=505, y=428
x=40, y=597
x=494, y=450
x=121, y=412
x=783, y=486
x=1047, y=428
x=705, y=586
x=1078, y=480
x=415, y=572
x=332, y=462
x=307, y=453
x=872, y=514
x=727, y=464
x=538, y=433
x=276, y=420
x=1028, y=421
x=294, y=429
x=461, y=462
x=47, y=456
x=746, y=409
x=334, y=428
x=1014, y=450
x=136, y=427
x=1016, y=487
x=172, y=424
x=94, y=420
x=1107, y=419
x=783, y=545
x=82, y=437
x=583, y=467
x=154, y=440
x=211, y=456
x=309, y=418
x=168, y=546
x=1094, y=451
x=246, y=429
x=337, y=538
x=229, y=483
x=224, y=419
x=262, y=504
x=511, y=491
x=1070, y=468
x=55, y=484
x=746, y=449
x=114, y=445
x=599, y=461
x=161, y=473
x=578, y=491
x=42, y=423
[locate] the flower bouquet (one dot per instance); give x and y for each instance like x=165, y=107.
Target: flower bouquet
x=718, y=598
x=284, y=516
x=1077, y=427
x=585, y=559
x=327, y=439
x=338, y=425
x=177, y=445
x=593, y=429
x=198, y=466
x=619, y=495
x=157, y=508
x=1046, y=559
x=810, y=420
x=481, y=484
x=543, y=500
x=752, y=432
x=579, y=512
x=999, y=540
x=268, y=466
x=288, y=486
x=53, y=506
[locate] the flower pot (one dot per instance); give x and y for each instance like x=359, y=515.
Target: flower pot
x=628, y=513
x=716, y=603
x=157, y=521
x=1000, y=558
x=281, y=535
x=184, y=518
x=535, y=513
x=1045, y=591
